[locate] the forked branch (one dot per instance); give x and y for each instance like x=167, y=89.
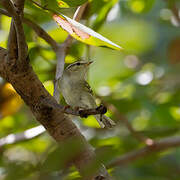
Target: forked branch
x=17, y=13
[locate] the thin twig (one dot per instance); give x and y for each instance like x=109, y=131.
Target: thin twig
x=79, y=12
x=38, y=130
x=140, y=137
x=42, y=7
x=77, y=112
x=41, y=33
x=158, y=146
x=175, y=11
x=4, y=12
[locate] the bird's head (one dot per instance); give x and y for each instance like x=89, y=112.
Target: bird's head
x=78, y=68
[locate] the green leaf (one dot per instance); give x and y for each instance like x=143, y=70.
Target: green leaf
x=83, y=33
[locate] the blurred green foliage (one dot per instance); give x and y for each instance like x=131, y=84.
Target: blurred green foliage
x=142, y=83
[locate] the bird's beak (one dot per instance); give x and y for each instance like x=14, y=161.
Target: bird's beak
x=90, y=62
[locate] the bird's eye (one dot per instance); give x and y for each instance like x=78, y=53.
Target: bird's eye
x=78, y=64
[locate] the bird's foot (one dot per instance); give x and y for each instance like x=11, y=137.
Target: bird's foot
x=102, y=109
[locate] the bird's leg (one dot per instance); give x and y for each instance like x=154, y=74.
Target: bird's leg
x=102, y=109
x=101, y=117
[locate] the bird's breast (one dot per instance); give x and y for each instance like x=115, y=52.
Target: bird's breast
x=70, y=90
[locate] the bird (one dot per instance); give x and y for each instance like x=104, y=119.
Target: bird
x=78, y=93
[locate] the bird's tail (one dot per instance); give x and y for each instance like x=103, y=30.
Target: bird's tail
x=104, y=121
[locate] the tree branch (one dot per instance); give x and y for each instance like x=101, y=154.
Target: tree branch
x=38, y=130
x=140, y=137
x=42, y=33
x=18, y=137
x=157, y=146
x=21, y=40
x=79, y=112
x=4, y=12
x=175, y=11
x=19, y=4
x=12, y=43
x=3, y=55
x=12, y=38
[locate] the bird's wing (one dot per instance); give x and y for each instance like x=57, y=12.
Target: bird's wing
x=87, y=87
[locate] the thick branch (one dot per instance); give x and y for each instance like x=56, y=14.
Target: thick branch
x=19, y=4
x=160, y=145
x=3, y=55
x=12, y=43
